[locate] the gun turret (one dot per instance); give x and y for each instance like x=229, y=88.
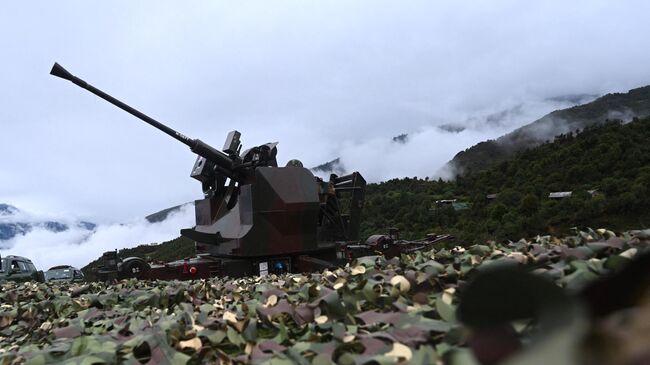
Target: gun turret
x=225, y=164
x=253, y=210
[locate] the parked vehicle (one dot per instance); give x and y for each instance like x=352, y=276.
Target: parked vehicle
x=64, y=273
x=18, y=268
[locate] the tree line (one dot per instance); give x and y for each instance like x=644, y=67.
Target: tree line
x=612, y=158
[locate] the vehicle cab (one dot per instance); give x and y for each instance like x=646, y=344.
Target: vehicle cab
x=18, y=268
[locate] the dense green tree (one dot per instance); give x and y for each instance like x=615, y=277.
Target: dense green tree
x=529, y=205
x=612, y=158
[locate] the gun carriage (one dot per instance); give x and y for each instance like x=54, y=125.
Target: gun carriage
x=256, y=218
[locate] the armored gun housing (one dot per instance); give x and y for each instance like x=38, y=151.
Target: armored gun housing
x=254, y=217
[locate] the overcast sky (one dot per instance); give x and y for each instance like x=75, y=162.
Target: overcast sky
x=326, y=79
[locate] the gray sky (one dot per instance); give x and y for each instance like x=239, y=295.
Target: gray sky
x=325, y=79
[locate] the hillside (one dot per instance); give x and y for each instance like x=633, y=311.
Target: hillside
x=618, y=106
x=332, y=167
x=15, y=222
x=175, y=249
x=163, y=214
x=612, y=158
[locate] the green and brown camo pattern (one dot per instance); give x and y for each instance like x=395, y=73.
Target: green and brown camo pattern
x=490, y=303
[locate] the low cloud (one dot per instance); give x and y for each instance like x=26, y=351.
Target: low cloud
x=429, y=148
x=626, y=115
x=77, y=246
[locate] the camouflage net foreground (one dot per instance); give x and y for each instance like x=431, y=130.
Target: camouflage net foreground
x=489, y=303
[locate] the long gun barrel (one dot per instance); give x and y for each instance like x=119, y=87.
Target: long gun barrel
x=196, y=145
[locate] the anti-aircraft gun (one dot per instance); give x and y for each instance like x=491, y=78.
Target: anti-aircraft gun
x=255, y=217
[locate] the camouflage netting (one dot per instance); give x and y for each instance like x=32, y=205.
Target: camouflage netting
x=491, y=303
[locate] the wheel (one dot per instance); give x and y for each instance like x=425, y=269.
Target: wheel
x=134, y=268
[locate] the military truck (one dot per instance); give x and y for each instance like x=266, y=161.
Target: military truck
x=19, y=269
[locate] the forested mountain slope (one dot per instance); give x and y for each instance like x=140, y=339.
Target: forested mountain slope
x=612, y=158
x=618, y=106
